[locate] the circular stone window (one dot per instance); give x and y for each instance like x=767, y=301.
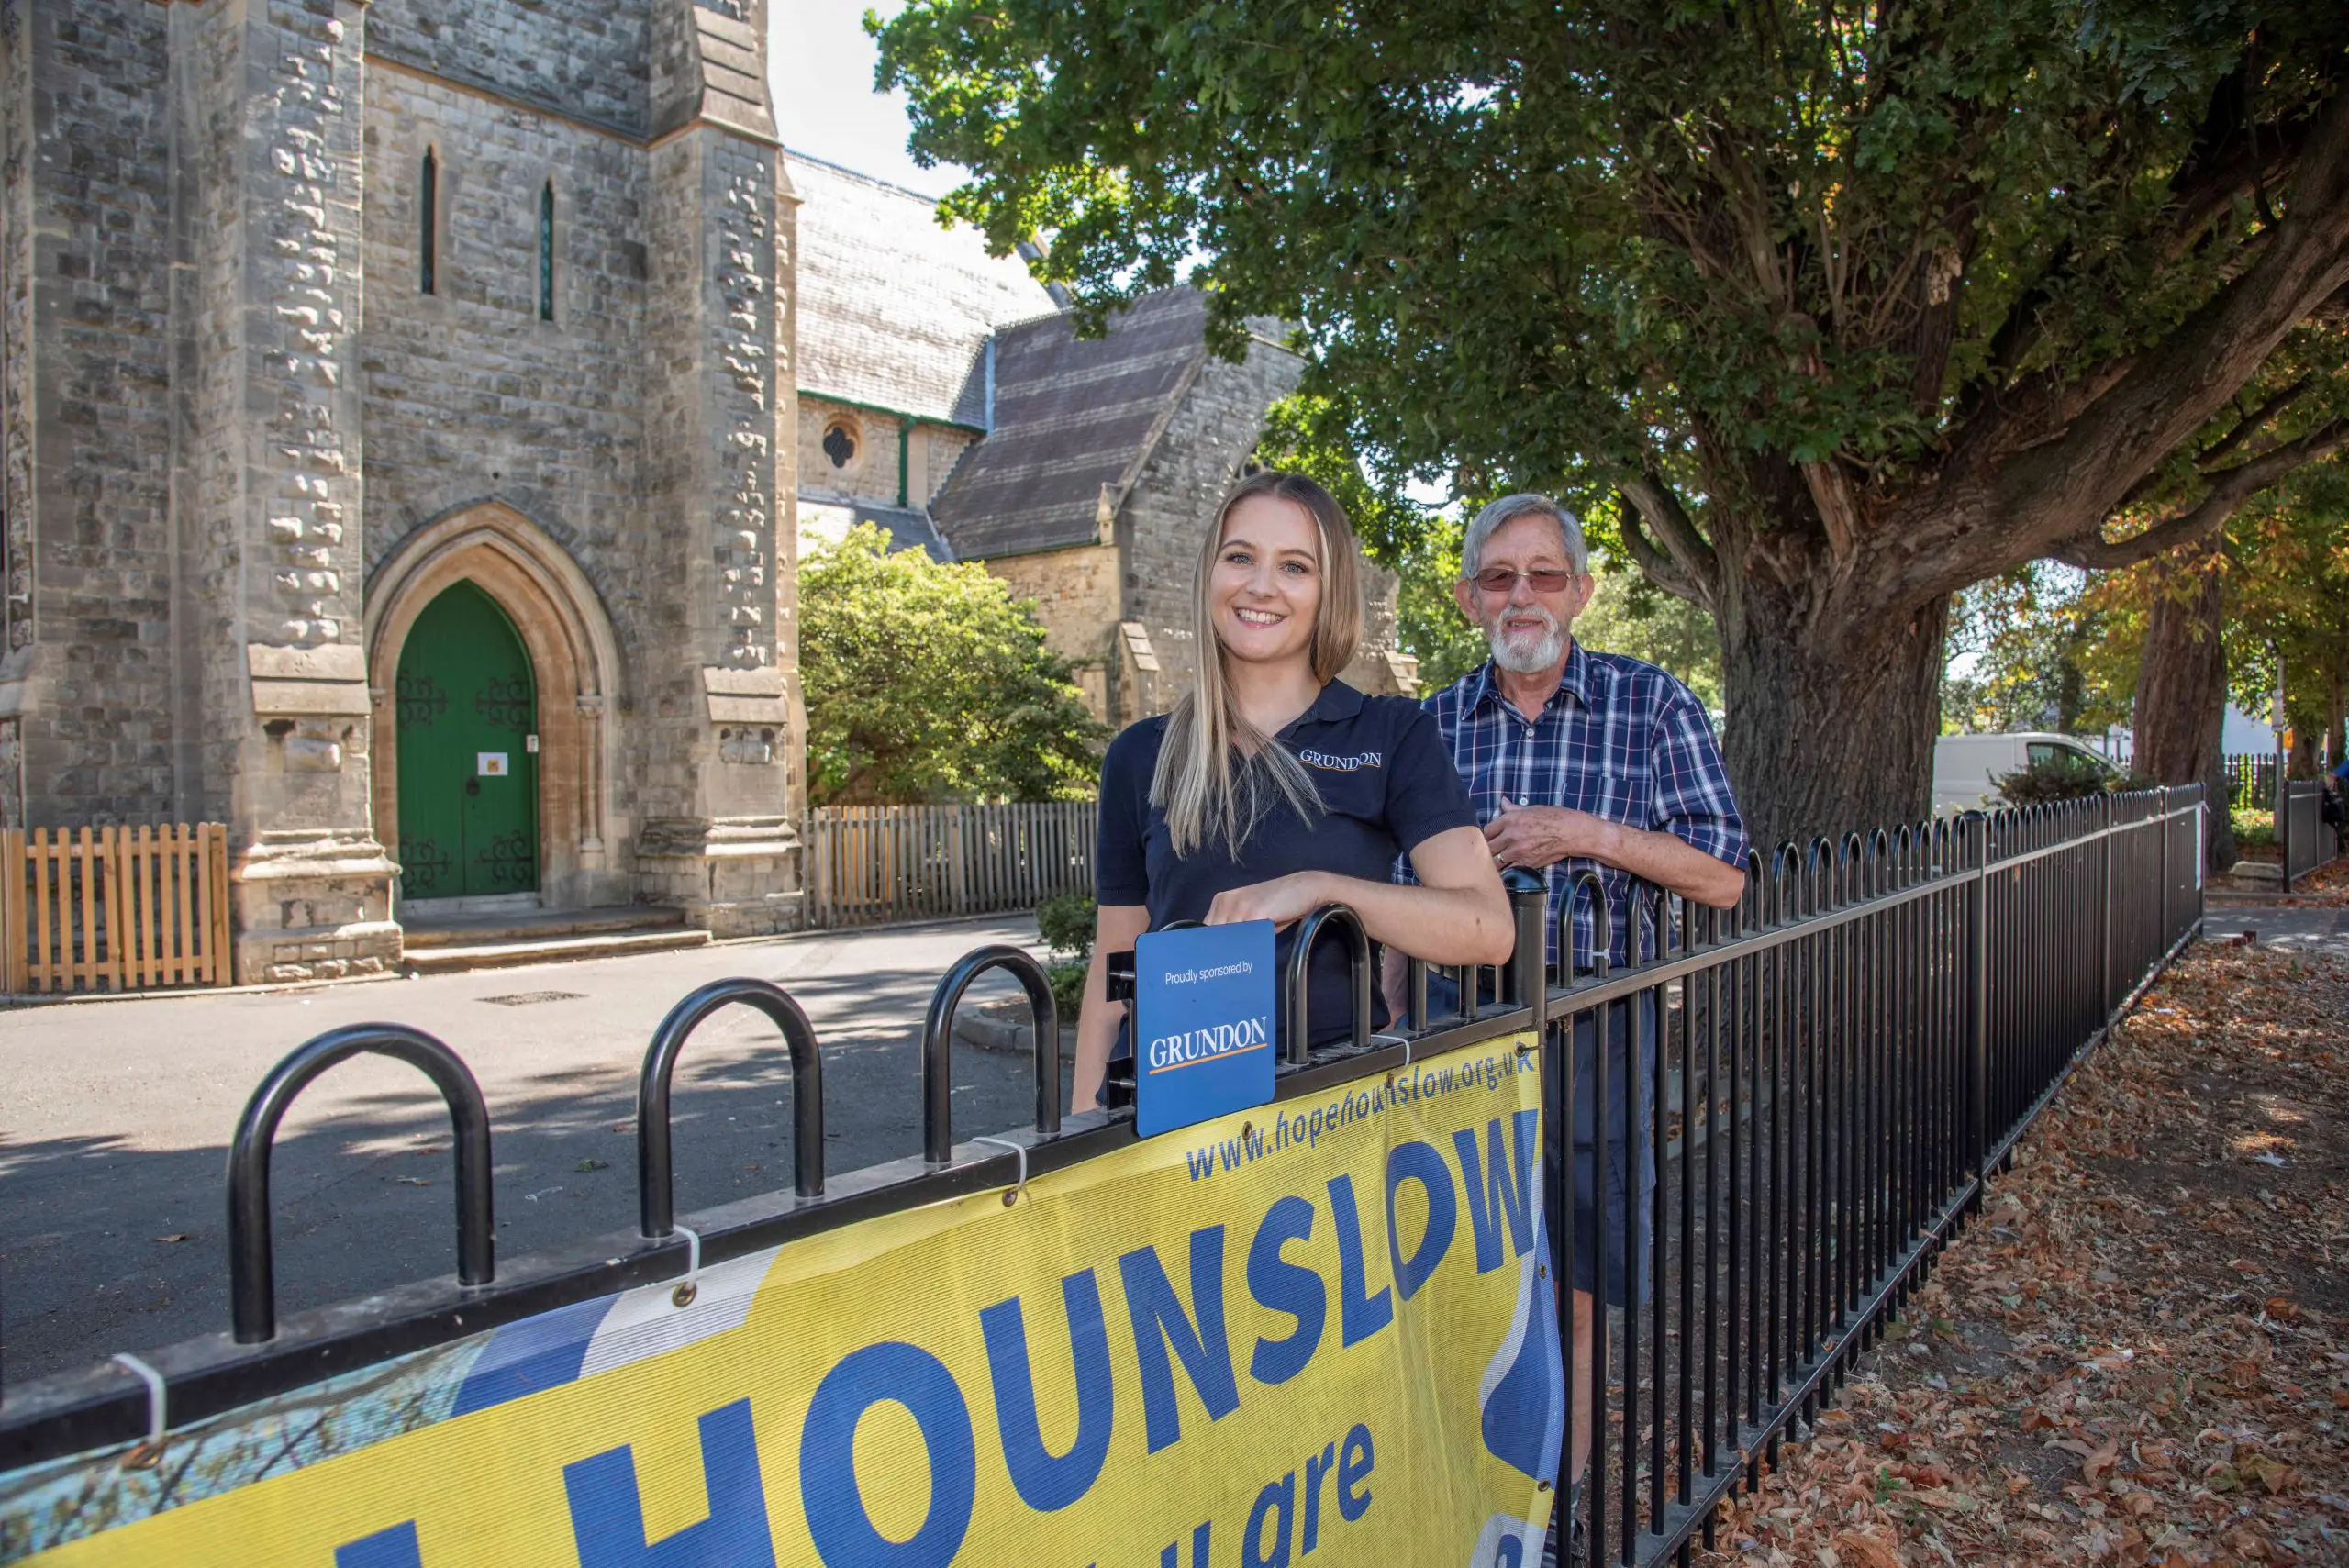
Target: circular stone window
x=840, y=441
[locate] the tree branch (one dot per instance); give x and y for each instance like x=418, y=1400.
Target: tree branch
x=2249, y=425
x=2230, y=488
x=2232, y=157
x=1660, y=568
x=2018, y=485
x=1646, y=497
x=1838, y=513
x=2244, y=428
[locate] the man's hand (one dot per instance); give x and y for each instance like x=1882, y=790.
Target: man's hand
x=1283, y=900
x=1539, y=835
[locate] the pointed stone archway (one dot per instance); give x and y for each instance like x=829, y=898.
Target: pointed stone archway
x=575, y=659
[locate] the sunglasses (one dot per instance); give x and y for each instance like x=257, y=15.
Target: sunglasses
x=1545, y=580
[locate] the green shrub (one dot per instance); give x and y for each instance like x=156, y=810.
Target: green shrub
x=2064, y=776
x=1066, y=922
x=2254, y=829
x=931, y=682
x=1068, y=987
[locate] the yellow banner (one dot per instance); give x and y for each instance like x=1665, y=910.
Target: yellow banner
x=1318, y=1332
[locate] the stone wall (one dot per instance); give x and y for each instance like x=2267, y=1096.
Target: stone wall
x=871, y=474
x=16, y=402
x=581, y=57
x=1076, y=596
x=469, y=395
x=721, y=835
x=310, y=874
x=942, y=447
x=85, y=670
x=214, y=347
x=208, y=247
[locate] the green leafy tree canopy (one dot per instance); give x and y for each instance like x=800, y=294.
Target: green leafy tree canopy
x=1852, y=306
x=930, y=683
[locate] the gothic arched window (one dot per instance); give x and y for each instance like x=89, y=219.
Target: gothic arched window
x=428, y=224
x=545, y=252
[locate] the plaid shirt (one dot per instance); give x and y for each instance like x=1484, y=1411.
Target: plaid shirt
x=1618, y=739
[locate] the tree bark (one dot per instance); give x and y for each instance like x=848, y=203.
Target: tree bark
x=2182, y=692
x=2220, y=851
x=1830, y=723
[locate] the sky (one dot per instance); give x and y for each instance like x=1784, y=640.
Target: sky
x=820, y=65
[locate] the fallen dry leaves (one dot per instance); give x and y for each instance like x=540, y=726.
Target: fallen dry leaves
x=2329, y=884
x=2138, y=1352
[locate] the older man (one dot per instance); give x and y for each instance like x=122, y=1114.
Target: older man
x=1583, y=761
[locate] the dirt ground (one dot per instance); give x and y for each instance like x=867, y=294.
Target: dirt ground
x=2136, y=1354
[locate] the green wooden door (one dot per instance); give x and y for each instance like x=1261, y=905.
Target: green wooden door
x=469, y=776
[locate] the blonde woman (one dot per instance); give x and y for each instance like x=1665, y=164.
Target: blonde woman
x=1275, y=787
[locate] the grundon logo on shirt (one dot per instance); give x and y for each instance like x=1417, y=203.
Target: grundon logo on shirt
x=1345, y=764
x=1211, y=1042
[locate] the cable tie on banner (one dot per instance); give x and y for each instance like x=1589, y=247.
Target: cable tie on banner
x=1403, y=1066
x=689, y=1286
x=158, y=1409
x=1019, y=1149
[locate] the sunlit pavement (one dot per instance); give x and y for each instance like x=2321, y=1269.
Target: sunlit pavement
x=115, y=1115
x=2285, y=928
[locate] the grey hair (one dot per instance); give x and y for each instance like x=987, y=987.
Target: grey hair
x=1506, y=510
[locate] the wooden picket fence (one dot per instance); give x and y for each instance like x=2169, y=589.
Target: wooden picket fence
x=114, y=908
x=870, y=865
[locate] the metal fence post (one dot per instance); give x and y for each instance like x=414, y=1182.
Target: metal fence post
x=2104, y=951
x=1528, y=896
x=1977, y=1025
x=2161, y=810
x=2202, y=831
x=2284, y=822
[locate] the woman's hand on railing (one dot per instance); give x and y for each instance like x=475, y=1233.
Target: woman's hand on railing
x=1285, y=900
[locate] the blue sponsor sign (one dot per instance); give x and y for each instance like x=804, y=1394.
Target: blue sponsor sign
x=1204, y=1028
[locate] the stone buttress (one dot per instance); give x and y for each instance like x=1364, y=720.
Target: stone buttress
x=723, y=718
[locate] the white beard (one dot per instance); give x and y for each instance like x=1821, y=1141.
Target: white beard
x=1517, y=655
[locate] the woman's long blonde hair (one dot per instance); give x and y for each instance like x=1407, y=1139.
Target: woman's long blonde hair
x=1203, y=791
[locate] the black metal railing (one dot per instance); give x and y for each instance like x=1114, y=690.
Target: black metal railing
x=2251, y=779
x=2304, y=837
x=1823, y=1074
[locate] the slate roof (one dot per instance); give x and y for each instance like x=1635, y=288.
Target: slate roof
x=894, y=311
x=1071, y=415
x=908, y=528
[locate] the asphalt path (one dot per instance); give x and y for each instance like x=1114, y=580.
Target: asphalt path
x=2288, y=927
x=115, y=1119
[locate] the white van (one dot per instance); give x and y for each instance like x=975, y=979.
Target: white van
x=1966, y=766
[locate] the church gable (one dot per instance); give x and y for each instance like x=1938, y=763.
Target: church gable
x=894, y=312
x=1076, y=417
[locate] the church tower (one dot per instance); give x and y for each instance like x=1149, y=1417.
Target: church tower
x=395, y=455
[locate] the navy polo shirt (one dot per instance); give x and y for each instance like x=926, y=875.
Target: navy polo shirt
x=1386, y=784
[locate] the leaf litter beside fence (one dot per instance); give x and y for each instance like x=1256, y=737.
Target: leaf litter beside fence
x=2137, y=1352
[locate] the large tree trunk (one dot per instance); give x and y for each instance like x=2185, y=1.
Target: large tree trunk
x=1830, y=725
x=2182, y=693
x=2304, y=751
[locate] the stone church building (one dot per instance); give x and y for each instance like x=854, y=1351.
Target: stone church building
x=409, y=412
x=397, y=427
x=946, y=397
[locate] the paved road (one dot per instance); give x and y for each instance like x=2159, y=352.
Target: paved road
x=114, y=1121
x=2288, y=927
